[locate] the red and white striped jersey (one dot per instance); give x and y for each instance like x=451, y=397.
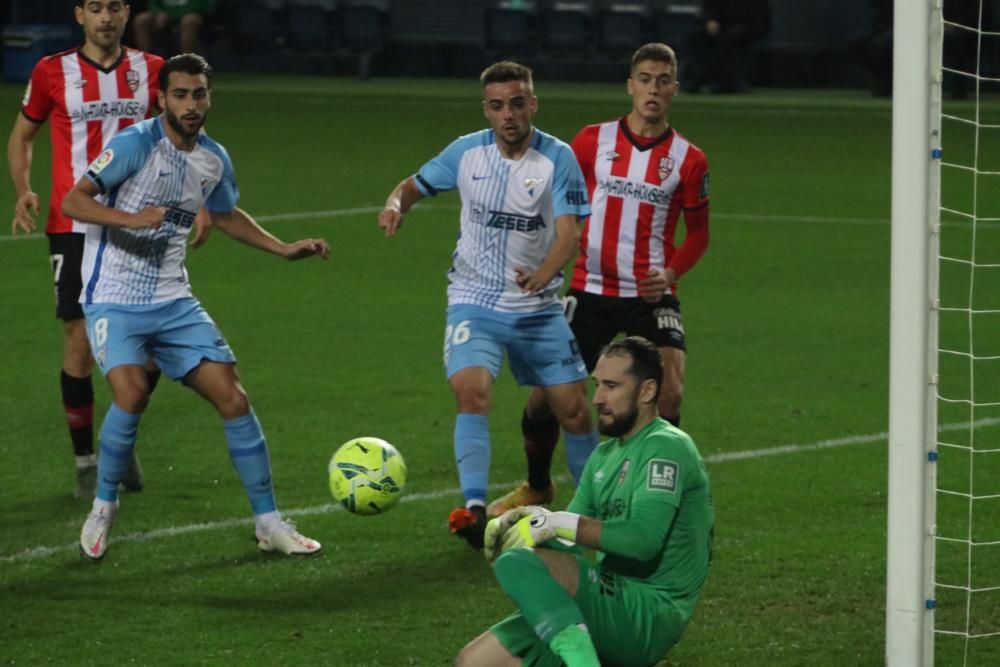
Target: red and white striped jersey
x=87, y=105
x=638, y=187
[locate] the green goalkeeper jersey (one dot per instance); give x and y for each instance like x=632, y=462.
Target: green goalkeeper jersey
x=652, y=494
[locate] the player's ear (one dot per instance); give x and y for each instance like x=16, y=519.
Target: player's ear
x=647, y=391
x=78, y=14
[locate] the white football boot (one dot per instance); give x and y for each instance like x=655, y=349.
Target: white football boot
x=96, y=531
x=282, y=536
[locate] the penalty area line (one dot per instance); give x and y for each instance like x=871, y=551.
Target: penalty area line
x=36, y=553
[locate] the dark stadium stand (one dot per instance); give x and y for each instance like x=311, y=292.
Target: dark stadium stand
x=815, y=43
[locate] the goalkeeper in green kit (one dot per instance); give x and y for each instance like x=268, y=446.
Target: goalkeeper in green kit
x=643, y=504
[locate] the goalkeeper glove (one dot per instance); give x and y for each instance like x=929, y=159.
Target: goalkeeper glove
x=539, y=528
x=497, y=528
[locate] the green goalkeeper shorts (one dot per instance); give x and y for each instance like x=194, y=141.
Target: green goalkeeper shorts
x=630, y=623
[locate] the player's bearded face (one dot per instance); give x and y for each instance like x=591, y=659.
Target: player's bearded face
x=186, y=103
x=510, y=107
x=103, y=21
x=616, y=424
x=616, y=398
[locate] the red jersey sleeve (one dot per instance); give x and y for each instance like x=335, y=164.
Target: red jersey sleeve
x=155, y=64
x=584, y=146
x=37, y=104
x=694, y=202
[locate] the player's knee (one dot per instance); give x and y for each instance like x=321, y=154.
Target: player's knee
x=473, y=400
x=511, y=563
x=575, y=416
x=234, y=404
x=77, y=360
x=537, y=408
x=132, y=397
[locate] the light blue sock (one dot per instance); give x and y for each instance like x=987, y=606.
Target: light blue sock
x=472, y=452
x=248, y=452
x=117, y=444
x=579, y=446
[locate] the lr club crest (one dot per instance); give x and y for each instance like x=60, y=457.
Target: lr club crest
x=132, y=80
x=666, y=168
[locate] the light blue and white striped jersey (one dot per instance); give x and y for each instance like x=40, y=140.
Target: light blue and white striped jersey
x=508, y=215
x=140, y=167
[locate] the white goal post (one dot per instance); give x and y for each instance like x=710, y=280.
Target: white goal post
x=916, y=107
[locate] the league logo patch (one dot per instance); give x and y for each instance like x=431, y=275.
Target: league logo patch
x=102, y=161
x=662, y=476
x=132, y=80
x=27, y=95
x=704, y=187
x=531, y=183
x=666, y=168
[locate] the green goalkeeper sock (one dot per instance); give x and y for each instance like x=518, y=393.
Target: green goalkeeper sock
x=544, y=603
x=574, y=646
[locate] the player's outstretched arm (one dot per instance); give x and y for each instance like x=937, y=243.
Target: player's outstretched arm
x=397, y=204
x=80, y=204
x=239, y=225
x=19, y=147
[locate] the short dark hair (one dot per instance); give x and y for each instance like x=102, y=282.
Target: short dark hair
x=655, y=51
x=81, y=3
x=504, y=71
x=646, y=361
x=188, y=63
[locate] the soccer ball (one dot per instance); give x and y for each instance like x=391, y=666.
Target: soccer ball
x=367, y=476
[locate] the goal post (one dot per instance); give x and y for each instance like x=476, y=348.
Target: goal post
x=916, y=101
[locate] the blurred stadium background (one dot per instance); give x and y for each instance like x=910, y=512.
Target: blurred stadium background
x=818, y=43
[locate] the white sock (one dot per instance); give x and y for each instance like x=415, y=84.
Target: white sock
x=267, y=521
x=101, y=506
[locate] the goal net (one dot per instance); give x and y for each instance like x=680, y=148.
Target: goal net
x=943, y=589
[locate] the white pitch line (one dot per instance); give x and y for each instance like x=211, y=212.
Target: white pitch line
x=368, y=210
x=43, y=552
x=745, y=217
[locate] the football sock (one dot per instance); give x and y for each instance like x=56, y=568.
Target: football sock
x=574, y=645
x=78, y=404
x=540, y=439
x=579, y=447
x=152, y=379
x=472, y=453
x=267, y=522
x=676, y=421
x=117, y=443
x=544, y=603
x=248, y=452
